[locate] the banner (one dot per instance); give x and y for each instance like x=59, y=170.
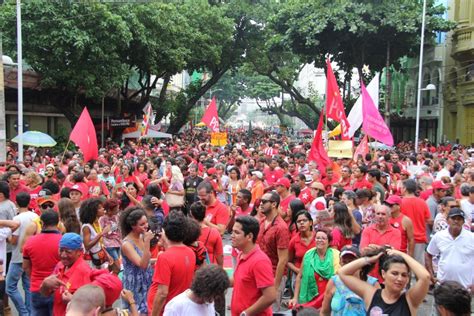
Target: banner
x=318, y=152
x=334, y=105
x=84, y=136
x=362, y=149
x=340, y=148
x=219, y=139
x=147, y=118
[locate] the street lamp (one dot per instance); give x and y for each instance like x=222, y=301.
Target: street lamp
x=20, y=80
x=420, y=78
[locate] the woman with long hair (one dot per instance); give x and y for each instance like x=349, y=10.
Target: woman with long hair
x=339, y=300
x=141, y=171
x=235, y=184
x=366, y=205
x=91, y=231
x=349, y=199
x=137, y=271
x=319, y=265
x=345, y=226
x=68, y=217
x=295, y=206
x=393, y=299
x=175, y=188
x=127, y=176
x=32, y=182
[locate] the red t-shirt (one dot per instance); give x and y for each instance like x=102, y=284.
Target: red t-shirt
x=34, y=198
x=338, y=239
x=284, y=205
x=212, y=240
x=97, y=188
x=417, y=210
x=426, y=194
x=252, y=274
x=362, y=184
x=18, y=189
x=42, y=251
x=271, y=176
x=217, y=213
x=397, y=224
x=77, y=275
x=175, y=269
x=299, y=248
x=275, y=236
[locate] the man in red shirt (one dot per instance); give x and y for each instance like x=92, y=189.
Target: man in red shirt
x=40, y=256
x=282, y=188
x=417, y=210
x=345, y=180
x=174, y=268
x=254, y=290
x=15, y=185
x=380, y=233
x=272, y=173
x=305, y=191
x=217, y=214
x=360, y=173
x=70, y=273
x=329, y=180
x=402, y=223
x=274, y=239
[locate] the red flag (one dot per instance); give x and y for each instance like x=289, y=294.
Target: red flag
x=83, y=135
x=318, y=152
x=362, y=149
x=210, y=117
x=334, y=106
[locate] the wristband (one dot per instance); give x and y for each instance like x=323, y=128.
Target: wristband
x=132, y=303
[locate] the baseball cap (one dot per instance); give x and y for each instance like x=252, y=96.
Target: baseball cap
x=211, y=171
x=71, y=241
x=393, y=199
x=110, y=283
x=44, y=196
x=456, y=211
x=75, y=188
x=258, y=174
x=350, y=250
x=437, y=185
x=284, y=182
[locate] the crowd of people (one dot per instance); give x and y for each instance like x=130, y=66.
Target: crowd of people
x=145, y=226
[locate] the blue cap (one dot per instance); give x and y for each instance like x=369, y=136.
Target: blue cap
x=71, y=241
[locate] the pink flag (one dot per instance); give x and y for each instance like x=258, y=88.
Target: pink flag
x=373, y=123
x=210, y=117
x=362, y=149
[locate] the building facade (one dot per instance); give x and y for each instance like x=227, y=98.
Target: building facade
x=458, y=114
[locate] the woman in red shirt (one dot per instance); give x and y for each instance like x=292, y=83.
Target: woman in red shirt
x=301, y=242
x=127, y=176
x=345, y=226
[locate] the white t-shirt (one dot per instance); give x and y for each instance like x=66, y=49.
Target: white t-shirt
x=456, y=256
x=25, y=219
x=182, y=305
x=5, y=232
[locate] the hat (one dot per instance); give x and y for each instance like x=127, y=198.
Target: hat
x=284, y=182
x=211, y=171
x=318, y=185
x=456, y=211
x=437, y=185
x=44, y=196
x=50, y=166
x=393, y=199
x=110, y=283
x=75, y=188
x=71, y=241
x=258, y=174
x=308, y=179
x=350, y=250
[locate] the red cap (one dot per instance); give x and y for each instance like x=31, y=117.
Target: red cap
x=284, y=182
x=437, y=185
x=110, y=283
x=394, y=199
x=211, y=171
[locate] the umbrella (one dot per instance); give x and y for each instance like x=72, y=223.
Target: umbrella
x=380, y=146
x=36, y=139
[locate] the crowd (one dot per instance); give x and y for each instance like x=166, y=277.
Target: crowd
x=144, y=225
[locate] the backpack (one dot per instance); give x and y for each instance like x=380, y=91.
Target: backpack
x=200, y=250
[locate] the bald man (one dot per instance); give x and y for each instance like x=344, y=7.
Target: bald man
x=88, y=300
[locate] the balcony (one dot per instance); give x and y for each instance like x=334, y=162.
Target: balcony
x=426, y=112
x=463, y=41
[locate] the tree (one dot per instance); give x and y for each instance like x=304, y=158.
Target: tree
x=73, y=52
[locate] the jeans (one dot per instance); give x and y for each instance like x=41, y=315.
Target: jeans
x=41, y=305
x=15, y=273
x=114, y=252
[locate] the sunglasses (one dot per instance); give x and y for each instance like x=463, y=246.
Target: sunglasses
x=47, y=205
x=265, y=201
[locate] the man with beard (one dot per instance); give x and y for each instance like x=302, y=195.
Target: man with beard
x=217, y=214
x=107, y=178
x=455, y=246
x=50, y=173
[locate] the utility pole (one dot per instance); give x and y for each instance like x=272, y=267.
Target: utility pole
x=3, y=129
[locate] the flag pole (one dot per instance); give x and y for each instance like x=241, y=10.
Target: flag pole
x=65, y=149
